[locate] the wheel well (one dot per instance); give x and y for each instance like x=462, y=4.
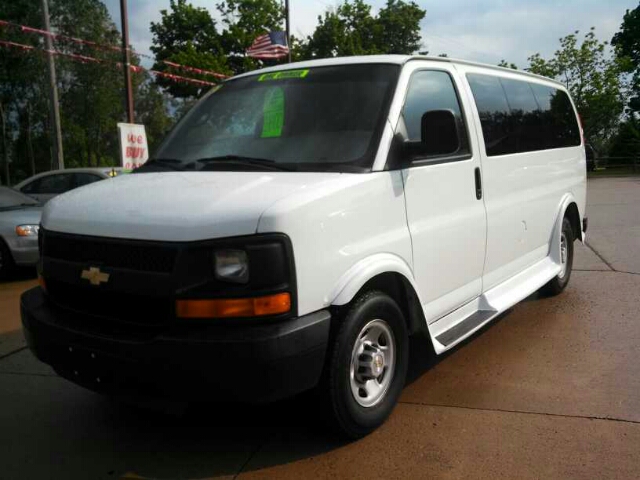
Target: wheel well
x=398, y=287
x=574, y=217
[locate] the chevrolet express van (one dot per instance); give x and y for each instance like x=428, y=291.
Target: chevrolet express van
x=301, y=222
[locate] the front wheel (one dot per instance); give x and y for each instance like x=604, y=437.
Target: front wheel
x=560, y=282
x=367, y=365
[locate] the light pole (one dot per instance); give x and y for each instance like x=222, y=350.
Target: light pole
x=287, y=16
x=125, y=57
x=55, y=107
x=5, y=153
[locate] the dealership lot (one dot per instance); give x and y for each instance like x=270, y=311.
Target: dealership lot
x=550, y=390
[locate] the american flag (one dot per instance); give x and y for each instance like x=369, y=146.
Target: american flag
x=269, y=46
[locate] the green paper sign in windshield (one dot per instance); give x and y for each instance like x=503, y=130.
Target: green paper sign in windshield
x=273, y=113
x=283, y=75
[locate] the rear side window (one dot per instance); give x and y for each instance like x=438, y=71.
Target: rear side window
x=557, y=116
x=494, y=113
x=519, y=116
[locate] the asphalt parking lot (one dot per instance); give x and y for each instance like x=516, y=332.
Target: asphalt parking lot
x=550, y=390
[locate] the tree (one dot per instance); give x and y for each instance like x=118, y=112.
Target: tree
x=626, y=142
x=350, y=29
x=504, y=64
x=592, y=77
x=244, y=21
x=91, y=94
x=627, y=47
x=400, y=27
x=187, y=35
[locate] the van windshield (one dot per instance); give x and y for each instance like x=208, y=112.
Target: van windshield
x=316, y=119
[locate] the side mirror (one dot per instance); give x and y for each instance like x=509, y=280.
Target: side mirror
x=439, y=133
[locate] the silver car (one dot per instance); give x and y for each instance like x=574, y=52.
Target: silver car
x=19, y=224
x=44, y=186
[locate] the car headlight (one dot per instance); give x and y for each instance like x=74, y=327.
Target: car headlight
x=27, y=230
x=232, y=266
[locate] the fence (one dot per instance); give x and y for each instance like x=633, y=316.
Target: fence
x=622, y=164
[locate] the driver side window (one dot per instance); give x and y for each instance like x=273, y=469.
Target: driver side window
x=431, y=90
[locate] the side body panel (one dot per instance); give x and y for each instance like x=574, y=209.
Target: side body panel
x=338, y=226
x=523, y=193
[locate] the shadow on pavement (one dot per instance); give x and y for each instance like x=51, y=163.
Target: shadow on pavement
x=83, y=435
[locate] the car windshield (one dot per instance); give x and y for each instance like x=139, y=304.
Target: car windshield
x=316, y=119
x=10, y=198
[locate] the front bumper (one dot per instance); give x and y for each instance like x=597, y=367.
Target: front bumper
x=24, y=250
x=202, y=362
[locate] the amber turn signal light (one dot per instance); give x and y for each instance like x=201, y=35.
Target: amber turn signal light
x=234, y=307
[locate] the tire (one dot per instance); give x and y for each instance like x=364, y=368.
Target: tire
x=6, y=261
x=560, y=282
x=370, y=351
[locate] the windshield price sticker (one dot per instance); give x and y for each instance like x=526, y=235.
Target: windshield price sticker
x=283, y=75
x=273, y=113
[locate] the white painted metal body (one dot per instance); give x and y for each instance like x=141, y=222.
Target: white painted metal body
x=461, y=255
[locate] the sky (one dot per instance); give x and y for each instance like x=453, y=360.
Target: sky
x=486, y=31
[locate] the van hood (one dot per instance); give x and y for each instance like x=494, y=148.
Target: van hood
x=175, y=206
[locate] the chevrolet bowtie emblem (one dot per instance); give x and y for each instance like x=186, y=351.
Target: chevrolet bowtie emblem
x=95, y=276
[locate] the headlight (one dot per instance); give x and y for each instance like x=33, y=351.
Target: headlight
x=27, y=230
x=232, y=266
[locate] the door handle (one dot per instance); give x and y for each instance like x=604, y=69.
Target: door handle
x=478, y=183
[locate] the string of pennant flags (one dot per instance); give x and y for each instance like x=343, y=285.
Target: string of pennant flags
x=96, y=45
x=87, y=59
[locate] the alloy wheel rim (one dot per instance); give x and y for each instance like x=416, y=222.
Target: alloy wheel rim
x=373, y=360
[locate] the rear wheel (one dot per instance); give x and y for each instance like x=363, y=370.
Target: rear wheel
x=560, y=282
x=367, y=365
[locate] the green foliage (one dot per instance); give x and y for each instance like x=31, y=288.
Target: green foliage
x=350, y=29
x=190, y=36
x=504, y=64
x=627, y=40
x=592, y=77
x=626, y=143
x=400, y=27
x=245, y=20
x=627, y=46
x=187, y=35
x=91, y=95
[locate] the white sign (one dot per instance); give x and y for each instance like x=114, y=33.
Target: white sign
x=133, y=145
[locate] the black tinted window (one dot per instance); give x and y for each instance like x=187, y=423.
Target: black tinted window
x=431, y=90
x=494, y=113
x=524, y=119
x=86, y=178
x=519, y=116
x=51, y=184
x=557, y=117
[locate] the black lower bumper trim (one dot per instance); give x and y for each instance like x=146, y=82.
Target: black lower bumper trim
x=252, y=363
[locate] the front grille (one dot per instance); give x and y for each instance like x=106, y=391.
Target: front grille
x=131, y=255
x=123, y=307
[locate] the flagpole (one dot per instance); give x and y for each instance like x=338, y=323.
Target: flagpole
x=286, y=6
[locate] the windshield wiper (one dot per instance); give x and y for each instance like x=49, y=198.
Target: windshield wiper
x=260, y=162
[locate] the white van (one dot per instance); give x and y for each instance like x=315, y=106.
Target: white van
x=301, y=222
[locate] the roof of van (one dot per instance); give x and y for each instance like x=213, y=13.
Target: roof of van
x=392, y=59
